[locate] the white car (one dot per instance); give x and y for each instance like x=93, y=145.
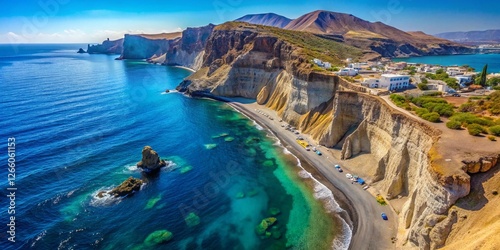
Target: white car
x=348, y=176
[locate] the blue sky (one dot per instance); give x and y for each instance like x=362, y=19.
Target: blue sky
x=73, y=21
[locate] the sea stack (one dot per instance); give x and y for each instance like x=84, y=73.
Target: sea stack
x=150, y=162
x=81, y=51
x=127, y=188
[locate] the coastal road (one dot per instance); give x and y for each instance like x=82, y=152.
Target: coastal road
x=371, y=231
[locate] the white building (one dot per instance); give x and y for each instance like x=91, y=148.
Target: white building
x=394, y=82
x=371, y=83
x=320, y=63
x=347, y=72
x=439, y=86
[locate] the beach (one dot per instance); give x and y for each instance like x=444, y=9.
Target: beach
x=369, y=230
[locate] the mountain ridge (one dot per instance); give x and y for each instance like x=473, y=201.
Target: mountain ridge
x=473, y=37
x=268, y=19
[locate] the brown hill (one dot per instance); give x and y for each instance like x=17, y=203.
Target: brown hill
x=384, y=39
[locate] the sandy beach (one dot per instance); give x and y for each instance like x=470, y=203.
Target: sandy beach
x=369, y=230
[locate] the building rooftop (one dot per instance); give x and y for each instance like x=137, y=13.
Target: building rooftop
x=393, y=75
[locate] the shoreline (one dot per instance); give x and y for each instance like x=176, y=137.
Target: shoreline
x=346, y=216
x=361, y=209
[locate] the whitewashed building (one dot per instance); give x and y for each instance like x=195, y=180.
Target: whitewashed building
x=394, y=82
x=371, y=83
x=347, y=72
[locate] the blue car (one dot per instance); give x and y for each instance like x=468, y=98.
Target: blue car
x=384, y=216
x=318, y=152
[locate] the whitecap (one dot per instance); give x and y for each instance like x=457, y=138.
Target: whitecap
x=106, y=198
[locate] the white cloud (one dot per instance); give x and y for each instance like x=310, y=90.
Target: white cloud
x=75, y=36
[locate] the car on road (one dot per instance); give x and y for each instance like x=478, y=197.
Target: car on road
x=384, y=216
x=456, y=95
x=318, y=152
x=348, y=176
x=337, y=166
x=340, y=170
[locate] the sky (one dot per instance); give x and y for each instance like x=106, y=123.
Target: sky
x=74, y=21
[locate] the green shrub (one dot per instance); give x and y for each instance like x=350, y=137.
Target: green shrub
x=432, y=117
x=467, y=107
x=421, y=111
x=495, y=130
x=443, y=109
x=453, y=124
x=422, y=86
x=492, y=138
x=468, y=118
x=475, y=129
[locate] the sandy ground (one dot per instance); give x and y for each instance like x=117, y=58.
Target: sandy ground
x=370, y=231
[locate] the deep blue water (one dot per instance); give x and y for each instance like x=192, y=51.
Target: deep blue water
x=477, y=61
x=80, y=122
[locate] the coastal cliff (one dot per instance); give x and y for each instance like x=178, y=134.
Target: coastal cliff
x=183, y=49
x=246, y=62
x=107, y=47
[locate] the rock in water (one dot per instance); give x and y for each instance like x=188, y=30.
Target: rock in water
x=81, y=51
x=150, y=162
x=128, y=187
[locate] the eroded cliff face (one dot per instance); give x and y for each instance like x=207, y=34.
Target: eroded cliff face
x=247, y=64
x=139, y=47
x=185, y=50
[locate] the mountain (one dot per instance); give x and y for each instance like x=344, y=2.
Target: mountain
x=473, y=37
x=268, y=19
x=379, y=37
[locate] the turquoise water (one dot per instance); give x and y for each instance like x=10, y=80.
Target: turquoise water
x=80, y=122
x=477, y=61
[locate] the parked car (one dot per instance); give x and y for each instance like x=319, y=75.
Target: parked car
x=318, y=152
x=384, y=216
x=456, y=95
x=337, y=166
x=340, y=170
x=348, y=176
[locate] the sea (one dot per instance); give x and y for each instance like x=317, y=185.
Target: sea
x=79, y=123
x=476, y=61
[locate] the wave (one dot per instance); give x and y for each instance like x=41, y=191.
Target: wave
x=106, y=199
x=169, y=92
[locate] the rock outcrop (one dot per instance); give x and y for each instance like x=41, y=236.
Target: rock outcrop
x=107, y=47
x=246, y=63
x=81, y=51
x=150, y=162
x=127, y=188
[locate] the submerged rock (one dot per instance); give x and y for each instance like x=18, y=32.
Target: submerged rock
x=127, y=188
x=192, y=219
x=210, y=146
x=158, y=237
x=185, y=169
x=152, y=202
x=261, y=229
x=240, y=195
x=229, y=139
x=150, y=162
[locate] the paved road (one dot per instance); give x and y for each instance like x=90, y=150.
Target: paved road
x=371, y=231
